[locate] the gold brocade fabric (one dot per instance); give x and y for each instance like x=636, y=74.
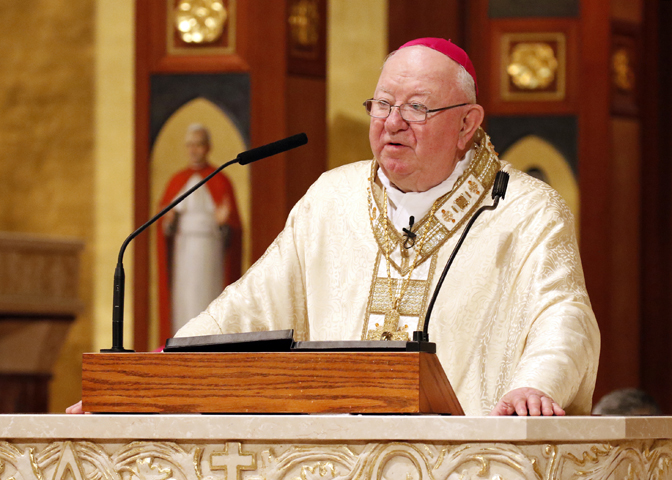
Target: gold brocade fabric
x=513, y=311
x=468, y=194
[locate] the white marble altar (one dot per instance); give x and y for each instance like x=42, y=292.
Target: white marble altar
x=325, y=447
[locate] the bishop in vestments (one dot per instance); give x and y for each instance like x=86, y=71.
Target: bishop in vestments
x=362, y=251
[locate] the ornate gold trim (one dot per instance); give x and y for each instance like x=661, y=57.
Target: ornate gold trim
x=467, y=195
x=482, y=169
x=412, y=304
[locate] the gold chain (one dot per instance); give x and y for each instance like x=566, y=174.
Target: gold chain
x=421, y=243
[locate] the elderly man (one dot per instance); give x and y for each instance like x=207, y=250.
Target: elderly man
x=362, y=251
x=513, y=324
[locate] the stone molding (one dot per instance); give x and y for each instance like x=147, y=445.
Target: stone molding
x=219, y=447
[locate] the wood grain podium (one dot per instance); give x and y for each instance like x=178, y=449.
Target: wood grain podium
x=287, y=382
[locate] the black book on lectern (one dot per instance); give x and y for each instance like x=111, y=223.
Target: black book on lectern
x=273, y=341
x=283, y=341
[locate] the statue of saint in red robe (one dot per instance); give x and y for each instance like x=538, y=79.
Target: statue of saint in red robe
x=199, y=241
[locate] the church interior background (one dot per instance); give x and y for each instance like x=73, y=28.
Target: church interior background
x=576, y=92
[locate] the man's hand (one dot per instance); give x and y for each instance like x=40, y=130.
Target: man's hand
x=527, y=401
x=75, y=409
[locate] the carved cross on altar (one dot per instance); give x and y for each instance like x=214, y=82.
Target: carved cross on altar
x=233, y=462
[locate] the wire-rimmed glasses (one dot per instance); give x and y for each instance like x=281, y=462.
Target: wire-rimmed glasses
x=410, y=112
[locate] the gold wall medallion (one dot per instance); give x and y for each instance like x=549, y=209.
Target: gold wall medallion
x=201, y=27
x=200, y=21
x=533, y=66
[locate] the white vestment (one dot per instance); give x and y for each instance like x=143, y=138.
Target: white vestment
x=513, y=311
x=198, y=255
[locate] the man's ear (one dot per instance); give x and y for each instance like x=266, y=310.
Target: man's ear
x=470, y=123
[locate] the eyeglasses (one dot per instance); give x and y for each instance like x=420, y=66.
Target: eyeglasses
x=410, y=112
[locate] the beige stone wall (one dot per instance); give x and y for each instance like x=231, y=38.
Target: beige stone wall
x=114, y=134
x=357, y=46
x=46, y=143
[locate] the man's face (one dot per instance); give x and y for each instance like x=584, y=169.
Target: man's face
x=197, y=149
x=418, y=156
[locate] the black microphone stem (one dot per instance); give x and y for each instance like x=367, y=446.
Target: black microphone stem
x=119, y=277
x=498, y=191
x=425, y=329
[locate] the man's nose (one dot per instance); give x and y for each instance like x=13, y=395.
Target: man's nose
x=395, y=122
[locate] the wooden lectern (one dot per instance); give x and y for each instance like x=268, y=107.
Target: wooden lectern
x=285, y=382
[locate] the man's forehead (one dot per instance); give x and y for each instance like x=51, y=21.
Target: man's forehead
x=416, y=72
x=417, y=92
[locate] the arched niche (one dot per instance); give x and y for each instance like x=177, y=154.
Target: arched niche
x=537, y=157
x=169, y=156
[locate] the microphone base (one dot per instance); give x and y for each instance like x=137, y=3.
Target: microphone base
x=116, y=350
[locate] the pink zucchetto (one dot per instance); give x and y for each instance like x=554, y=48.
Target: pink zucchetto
x=449, y=49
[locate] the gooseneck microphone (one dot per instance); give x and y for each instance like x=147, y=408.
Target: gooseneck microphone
x=498, y=192
x=243, y=158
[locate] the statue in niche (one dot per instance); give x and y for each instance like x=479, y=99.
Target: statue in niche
x=199, y=241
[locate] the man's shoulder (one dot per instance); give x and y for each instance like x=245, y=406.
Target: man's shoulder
x=345, y=177
x=525, y=188
x=336, y=190
x=351, y=169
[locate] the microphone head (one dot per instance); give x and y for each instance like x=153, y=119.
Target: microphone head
x=272, y=148
x=501, y=182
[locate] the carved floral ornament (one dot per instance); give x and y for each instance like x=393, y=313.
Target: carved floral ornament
x=642, y=459
x=200, y=21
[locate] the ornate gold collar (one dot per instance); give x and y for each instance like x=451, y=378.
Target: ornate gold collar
x=453, y=209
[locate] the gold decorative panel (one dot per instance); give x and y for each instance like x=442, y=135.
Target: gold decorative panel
x=201, y=27
x=200, y=21
x=533, y=66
